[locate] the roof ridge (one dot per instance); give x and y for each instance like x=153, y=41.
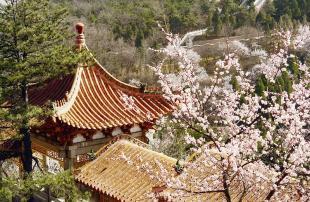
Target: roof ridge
x=113, y=77
x=121, y=138
x=70, y=97
x=133, y=142
x=159, y=154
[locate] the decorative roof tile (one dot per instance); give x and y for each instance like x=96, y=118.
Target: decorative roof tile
x=98, y=103
x=115, y=177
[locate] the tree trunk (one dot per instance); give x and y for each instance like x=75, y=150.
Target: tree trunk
x=25, y=131
x=273, y=191
x=27, y=152
x=226, y=187
x=48, y=191
x=16, y=199
x=270, y=194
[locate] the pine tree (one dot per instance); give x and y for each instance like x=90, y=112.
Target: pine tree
x=297, y=15
x=293, y=67
x=288, y=84
x=234, y=83
x=33, y=49
x=139, y=39
x=260, y=87
x=217, y=23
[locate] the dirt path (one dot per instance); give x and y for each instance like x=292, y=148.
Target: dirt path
x=214, y=42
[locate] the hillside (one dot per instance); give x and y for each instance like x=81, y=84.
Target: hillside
x=120, y=32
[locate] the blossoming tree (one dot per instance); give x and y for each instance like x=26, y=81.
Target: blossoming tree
x=248, y=138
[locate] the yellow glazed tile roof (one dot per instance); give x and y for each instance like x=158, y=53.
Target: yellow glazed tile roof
x=109, y=173
x=123, y=180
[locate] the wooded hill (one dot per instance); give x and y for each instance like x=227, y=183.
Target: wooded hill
x=120, y=32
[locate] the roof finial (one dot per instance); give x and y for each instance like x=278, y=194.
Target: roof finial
x=80, y=39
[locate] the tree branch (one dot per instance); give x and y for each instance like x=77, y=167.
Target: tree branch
x=37, y=164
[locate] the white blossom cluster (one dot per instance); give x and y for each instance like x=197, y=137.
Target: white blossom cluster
x=129, y=102
x=259, y=144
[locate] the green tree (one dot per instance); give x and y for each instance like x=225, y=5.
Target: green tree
x=260, y=87
x=286, y=10
x=181, y=15
x=287, y=82
x=265, y=17
x=217, y=23
x=234, y=83
x=61, y=185
x=296, y=10
x=130, y=21
x=282, y=8
x=293, y=66
x=139, y=39
x=286, y=21
x=33, y=48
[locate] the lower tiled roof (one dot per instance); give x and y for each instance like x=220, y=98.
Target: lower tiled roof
x=125, y=181
x=111, y=175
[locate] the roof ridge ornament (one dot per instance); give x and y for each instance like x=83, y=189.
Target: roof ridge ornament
x=80, y=38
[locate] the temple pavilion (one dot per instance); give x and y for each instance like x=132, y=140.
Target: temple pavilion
x=90, y=109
